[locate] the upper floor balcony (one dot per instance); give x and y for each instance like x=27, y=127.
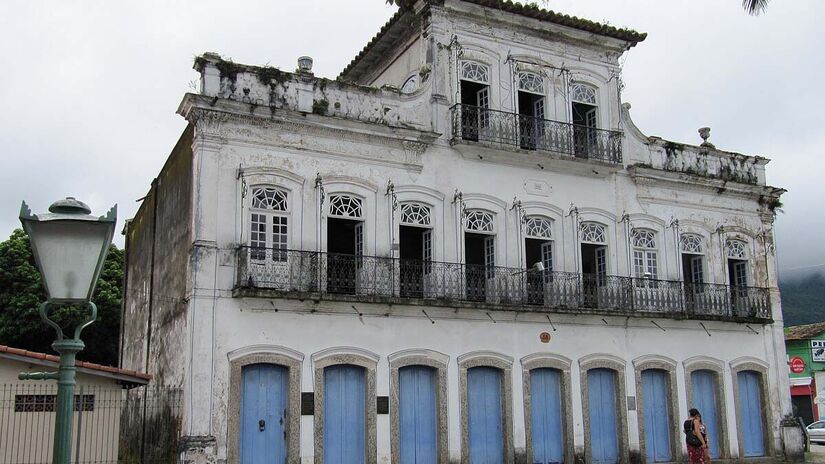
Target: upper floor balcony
x=526, y=132
x=342, y=277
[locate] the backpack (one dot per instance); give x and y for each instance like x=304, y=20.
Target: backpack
x=690, y=437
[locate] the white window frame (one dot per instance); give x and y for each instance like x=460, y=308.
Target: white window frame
x=277, y=214
x=531, y=82
x=645, y=253
x=693, y=245
x=469, y=67
x=356, y=213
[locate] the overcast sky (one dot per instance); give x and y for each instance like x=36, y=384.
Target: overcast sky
x=88, y=90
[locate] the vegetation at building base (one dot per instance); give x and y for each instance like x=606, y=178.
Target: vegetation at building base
x=21, y=294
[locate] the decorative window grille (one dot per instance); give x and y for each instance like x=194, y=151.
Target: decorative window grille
x=592, y=232
x=583, y=93
x=691, y=243
x=643, y=238
x=479, y=221
x=473, y=71
x=268, y=226
x=415, y=214
x=345, y=206
x=269, y=198
x=538, y=227
x=736, y=249
x=46, y=403
x=410, y=85
x=530, y=82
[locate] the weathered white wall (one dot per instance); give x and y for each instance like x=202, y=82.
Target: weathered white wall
x=261, y=134
x=408, y=61
x=290, y=324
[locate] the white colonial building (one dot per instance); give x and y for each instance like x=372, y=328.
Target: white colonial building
x=461, y=250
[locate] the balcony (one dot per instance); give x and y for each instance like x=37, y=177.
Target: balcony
x=319, y=275
x=484, y=125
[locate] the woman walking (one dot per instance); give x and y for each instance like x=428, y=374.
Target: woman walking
x=696, y=438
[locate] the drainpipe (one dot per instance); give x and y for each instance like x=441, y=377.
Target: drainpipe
x=125, y=293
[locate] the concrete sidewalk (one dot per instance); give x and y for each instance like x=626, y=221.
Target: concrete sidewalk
x=817, y=454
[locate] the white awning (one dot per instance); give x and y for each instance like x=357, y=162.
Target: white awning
x=800, y=381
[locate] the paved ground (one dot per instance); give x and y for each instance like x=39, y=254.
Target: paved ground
x=817, y=454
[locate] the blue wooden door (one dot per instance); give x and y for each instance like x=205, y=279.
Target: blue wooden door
x=656, y=414
x=545, y=416
x=704, y=399
x=344, y=414
x=750, y=410
x=263, y=414
x=417, y=414
x=485, y=417
x=601, y=396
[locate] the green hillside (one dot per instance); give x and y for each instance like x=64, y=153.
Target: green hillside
x=803, y=298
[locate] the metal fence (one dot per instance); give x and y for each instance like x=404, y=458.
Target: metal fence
x=110, y=425
x=485, y=125
x=441, y=283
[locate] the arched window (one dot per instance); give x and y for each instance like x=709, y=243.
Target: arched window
x=345, y=206
x=268, y=223
x=415, y=214
x=583, y=93
x=530, y=82
x=410, y=85
x=476, y=72
x=737, y=253
x=644, y=253
x=736, y=249
x=692, y=243
x=538, y=248
x=593, y=232
x=584, y=112
x=692, y=258
x=479, y=221
x=538, y=227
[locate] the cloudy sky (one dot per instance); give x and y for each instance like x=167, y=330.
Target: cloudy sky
x=88, y=90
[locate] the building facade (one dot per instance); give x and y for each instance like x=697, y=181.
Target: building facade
x=460, y=250
x=27, y=409
x=805, y=345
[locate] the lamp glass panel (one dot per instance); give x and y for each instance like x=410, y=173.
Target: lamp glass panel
x=68, y=253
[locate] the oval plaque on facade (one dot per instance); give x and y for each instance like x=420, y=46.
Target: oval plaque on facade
x=797, y=365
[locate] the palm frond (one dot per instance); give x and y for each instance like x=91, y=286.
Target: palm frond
x=755, y=7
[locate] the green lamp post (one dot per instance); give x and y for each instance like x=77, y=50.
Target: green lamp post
x=69, y=246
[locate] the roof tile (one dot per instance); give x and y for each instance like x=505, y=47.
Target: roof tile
x=530, y=11
x=83, y=364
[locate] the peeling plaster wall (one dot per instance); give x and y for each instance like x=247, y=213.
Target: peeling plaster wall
x=255, y=126
x=168, y=203
x=408, y=62
x=246, y=152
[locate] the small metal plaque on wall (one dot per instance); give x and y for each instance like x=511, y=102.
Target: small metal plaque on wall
x=307, y=403
x=382, y=405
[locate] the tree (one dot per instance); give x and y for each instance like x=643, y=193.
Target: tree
x=755, y=7
x=21, y=293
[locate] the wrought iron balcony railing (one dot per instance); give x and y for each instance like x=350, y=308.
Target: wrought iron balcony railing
x=371, y=278
x=485, y=125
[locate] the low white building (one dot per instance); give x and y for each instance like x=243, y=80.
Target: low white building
x=462, y=249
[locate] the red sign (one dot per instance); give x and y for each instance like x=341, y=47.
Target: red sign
x=797, y=365
x=544, y=337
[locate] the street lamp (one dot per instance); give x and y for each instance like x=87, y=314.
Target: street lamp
x=69, y=246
